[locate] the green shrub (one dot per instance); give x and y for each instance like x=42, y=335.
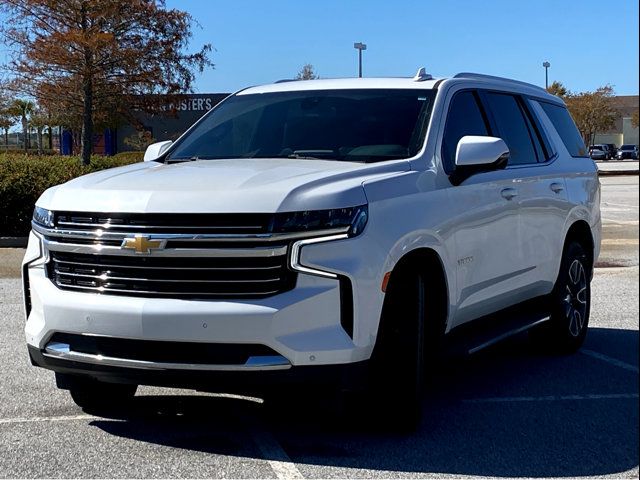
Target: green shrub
x=131, y=157
x=23, y=178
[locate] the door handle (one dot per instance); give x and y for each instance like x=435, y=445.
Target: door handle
x=509, y=193
x=556, y=187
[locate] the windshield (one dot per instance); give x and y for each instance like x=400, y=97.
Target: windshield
x=348, y=125
x=627, y=147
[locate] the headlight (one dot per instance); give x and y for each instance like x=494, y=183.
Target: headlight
x=353, y=218
x=43, y=216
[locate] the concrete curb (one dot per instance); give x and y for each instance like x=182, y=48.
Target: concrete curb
x=13, y=242
x=618, y=172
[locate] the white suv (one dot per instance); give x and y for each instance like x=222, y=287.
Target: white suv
x=329, y=232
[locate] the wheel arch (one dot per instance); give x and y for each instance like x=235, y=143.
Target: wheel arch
x=580, y=231
x=427, y=261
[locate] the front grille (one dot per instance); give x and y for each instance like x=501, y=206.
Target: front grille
x=230, y=223
x=163, y=351
x=172, y=277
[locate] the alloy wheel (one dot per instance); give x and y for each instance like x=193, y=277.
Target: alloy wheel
x=575, y=299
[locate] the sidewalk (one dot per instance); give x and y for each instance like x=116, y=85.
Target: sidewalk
x=10, y=260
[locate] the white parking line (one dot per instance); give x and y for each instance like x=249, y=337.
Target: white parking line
x=612, y=361
x=275, y=455
x=62, y=418
x=624, y=206
x=553, y=398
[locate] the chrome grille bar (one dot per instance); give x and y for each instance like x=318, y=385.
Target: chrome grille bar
x=178, y=277
x=184, y=256
x=104, y=266
x=157, y=227
x=177, y=294
x=108, y=278
x=98, y=235
x=54, y=246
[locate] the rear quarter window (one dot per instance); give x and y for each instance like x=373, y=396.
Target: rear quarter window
x=566, y=128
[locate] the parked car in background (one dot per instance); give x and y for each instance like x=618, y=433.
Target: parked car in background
x=627, y=152
x=598, y=152
x=613, y=150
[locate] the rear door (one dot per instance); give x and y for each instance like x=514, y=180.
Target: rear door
x=542, y=196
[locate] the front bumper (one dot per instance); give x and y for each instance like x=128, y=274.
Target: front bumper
x=350, y=376
x=302, y=326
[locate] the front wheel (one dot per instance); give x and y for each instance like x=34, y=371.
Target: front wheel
x=398, y=360
x=92, y=395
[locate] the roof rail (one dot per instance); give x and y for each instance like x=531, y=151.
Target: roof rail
x=481, y=76
x=422, y=75
x=284, y=80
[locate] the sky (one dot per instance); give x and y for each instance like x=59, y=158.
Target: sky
x=589, y=43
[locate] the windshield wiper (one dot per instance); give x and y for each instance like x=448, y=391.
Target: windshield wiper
x=306, y=157
x=194, y=158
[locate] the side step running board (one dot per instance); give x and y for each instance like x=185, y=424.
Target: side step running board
x=479, y=334
x=507, y=334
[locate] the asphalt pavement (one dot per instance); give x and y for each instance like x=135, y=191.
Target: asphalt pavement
x=510, y=411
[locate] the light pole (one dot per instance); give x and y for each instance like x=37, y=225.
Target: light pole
x=546, y=66
x=360, y=47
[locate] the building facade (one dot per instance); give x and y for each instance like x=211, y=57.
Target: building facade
x=161, y=126
x=623, y=132
x=164, y=126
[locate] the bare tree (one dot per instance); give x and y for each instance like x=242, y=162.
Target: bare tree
x=95, y=59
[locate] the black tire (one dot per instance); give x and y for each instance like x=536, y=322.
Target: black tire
x=398, y=360
x=95, y=396
x=570, y=303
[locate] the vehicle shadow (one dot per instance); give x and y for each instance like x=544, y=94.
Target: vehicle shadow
x=510, y=411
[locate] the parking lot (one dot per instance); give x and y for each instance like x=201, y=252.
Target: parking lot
x=508, y=411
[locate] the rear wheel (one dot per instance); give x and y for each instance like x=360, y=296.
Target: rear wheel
x=570, y=303
x=92, y=395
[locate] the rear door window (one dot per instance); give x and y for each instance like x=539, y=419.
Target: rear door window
x=566, y=128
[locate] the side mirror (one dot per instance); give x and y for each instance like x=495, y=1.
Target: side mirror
x=155, y=150
x=478, y=154
x=476, y=151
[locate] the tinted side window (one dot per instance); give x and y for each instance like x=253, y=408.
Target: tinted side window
x=465, y=118
x=540, y=137
x=513, y=128
x=565, y=127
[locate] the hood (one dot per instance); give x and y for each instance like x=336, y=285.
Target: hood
x=220, y=186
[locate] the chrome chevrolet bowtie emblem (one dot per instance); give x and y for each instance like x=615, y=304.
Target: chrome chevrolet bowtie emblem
x=142, y=244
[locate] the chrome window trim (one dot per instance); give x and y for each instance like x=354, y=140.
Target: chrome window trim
x=62, y=351
x=295, y=255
